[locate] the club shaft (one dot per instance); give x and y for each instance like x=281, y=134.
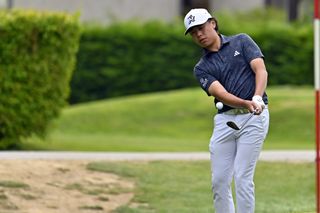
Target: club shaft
x=246, y=121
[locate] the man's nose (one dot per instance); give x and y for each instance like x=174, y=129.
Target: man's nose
x=198, y=33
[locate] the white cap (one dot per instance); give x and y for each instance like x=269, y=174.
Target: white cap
x=196, y=17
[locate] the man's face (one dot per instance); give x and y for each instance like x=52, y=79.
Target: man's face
x=204, y=35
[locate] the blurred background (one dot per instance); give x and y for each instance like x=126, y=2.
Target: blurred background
x=131, y=84
x=166, y=10
x=117, y=76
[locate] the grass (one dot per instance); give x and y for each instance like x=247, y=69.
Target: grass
x=94, y=208
x=178, y=120
x=12, y=184
x=184, y=187
x=182, y=121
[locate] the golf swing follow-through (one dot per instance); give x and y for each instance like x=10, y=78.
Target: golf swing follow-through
x=232, y=70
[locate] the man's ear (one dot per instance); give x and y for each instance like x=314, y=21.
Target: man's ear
x=213, y=24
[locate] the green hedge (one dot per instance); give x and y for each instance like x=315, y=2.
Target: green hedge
x=289, y=56
x=129, y=58
x=37, y=57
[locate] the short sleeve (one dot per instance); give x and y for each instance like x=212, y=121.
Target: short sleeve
x=250, y=48
x=204, y=78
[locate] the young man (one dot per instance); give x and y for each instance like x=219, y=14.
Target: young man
x=232, y=70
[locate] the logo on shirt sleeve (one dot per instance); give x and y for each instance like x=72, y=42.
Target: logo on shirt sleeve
x=203, y=82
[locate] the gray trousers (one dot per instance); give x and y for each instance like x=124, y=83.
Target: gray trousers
x=234, y=155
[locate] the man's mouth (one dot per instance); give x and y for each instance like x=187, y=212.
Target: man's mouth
x=203, y=40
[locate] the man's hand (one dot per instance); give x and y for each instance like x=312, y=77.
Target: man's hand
x=257, y=99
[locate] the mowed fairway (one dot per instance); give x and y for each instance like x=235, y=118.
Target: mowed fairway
x=178, y=120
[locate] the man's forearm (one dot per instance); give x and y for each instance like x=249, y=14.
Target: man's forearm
x=261, y=73
x=261, y=82
x=218, y=91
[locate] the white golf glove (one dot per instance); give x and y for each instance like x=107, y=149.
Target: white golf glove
x=258, y=100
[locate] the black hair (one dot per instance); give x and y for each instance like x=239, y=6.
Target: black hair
x=216, y=21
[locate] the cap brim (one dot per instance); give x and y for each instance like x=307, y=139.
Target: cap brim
x=197, y=24
x=187, y=31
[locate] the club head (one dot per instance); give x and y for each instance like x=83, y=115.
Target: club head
x=233, y=125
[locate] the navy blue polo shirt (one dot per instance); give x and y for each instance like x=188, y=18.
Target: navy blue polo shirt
x=231, y=67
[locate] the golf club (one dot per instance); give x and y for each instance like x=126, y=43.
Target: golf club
x=234, y=126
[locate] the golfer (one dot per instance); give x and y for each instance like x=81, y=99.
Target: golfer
x=232, y=70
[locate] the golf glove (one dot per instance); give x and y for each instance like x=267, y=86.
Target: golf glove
x=258, y=100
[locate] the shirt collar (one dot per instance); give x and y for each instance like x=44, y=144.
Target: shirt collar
x=224, y=40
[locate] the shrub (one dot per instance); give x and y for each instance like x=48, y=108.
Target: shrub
x=129, y=58
x=37, y=58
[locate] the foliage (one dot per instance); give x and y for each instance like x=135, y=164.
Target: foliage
x=37, y=58
x=130, y=57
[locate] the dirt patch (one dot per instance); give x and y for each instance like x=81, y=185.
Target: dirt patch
x=59, y=186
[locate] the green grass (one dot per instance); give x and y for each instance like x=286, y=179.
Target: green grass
x=94, y=208
x=12, y=184
x=185, y=187
x=178, y=120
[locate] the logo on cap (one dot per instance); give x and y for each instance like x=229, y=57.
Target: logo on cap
x=191, y=18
